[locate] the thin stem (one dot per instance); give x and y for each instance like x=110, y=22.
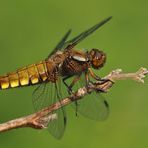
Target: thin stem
x=40, y=120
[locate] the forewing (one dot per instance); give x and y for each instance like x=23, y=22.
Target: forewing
x=73, y=42
x=45, y=95
x=60, y=44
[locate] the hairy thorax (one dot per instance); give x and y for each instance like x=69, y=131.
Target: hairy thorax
x=72, y=67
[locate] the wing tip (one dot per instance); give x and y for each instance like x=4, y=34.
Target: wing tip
x=69, y=31
x=106, y=104
x=108, y=18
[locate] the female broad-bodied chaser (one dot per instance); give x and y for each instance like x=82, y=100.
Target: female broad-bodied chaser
x=63, y=62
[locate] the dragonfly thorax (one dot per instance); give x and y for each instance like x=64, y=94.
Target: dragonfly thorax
x=97, y=58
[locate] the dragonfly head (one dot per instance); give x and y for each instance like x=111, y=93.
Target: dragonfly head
x=97, y=58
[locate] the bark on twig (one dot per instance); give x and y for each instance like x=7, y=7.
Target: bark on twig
x=40, y=120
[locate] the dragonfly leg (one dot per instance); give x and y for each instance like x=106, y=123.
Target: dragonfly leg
x=70, y=88
x=72, y=83
x=64, y=81
x=88, y=82
x=101, y=81
x=87, y=79
x=94, y=75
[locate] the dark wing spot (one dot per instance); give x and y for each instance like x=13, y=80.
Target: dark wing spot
x=106, y=104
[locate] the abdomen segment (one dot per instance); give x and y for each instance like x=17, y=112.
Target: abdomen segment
x=29, y=75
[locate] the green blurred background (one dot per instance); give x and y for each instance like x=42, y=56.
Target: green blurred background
x=29, y=29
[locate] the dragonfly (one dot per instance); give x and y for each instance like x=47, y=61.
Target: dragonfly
x=51, y=78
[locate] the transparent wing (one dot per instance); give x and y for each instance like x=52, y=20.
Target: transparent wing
x=71, y=43
x=45, y=95
x=57, y=127
x=60, y=44
x=93, y=105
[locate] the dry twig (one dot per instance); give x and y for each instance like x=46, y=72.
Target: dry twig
x=40, y=120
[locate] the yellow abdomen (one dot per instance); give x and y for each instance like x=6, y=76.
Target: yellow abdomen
x=29, y=75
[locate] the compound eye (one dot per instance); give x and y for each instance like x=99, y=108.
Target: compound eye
x=98, y=56
x=93, y=52
x=96, y=62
